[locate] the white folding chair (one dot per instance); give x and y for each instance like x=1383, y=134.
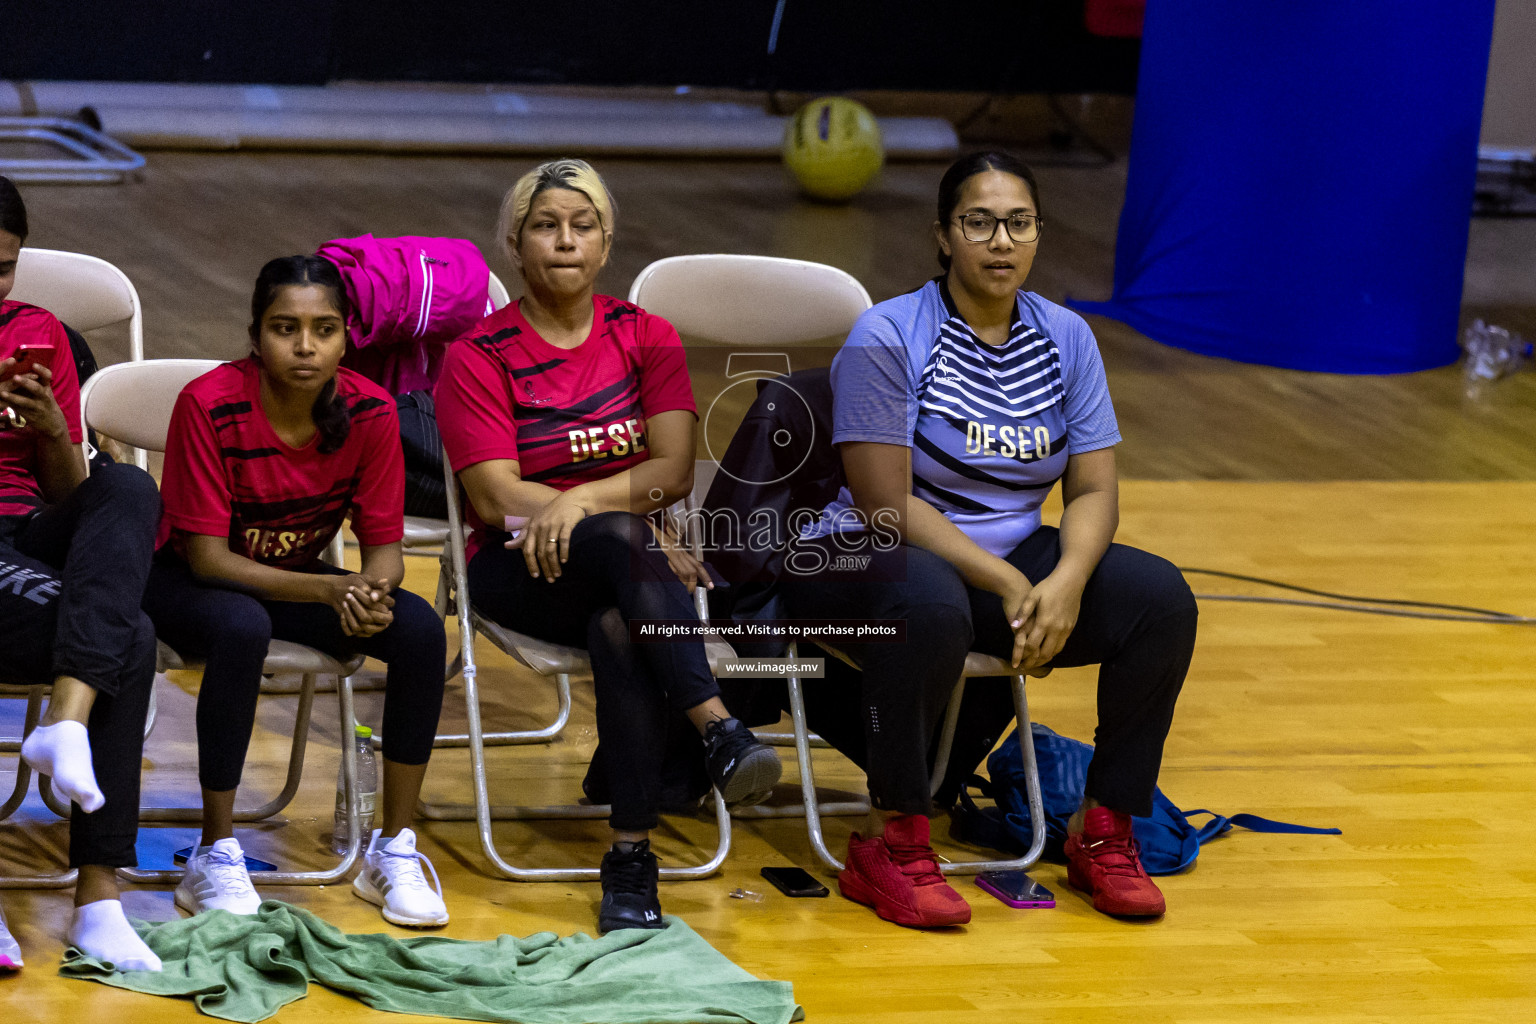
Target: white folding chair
x=547, y=659
x=976, y=665
x=750, y=300
x=754, y=301
x=84, y=292
x=133, y=402
x=769, y=301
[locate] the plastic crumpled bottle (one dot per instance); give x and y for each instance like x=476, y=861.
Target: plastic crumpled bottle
x=1491, y=352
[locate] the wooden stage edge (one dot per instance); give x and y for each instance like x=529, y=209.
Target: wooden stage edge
x=1417, y=738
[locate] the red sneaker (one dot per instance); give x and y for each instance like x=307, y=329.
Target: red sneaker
x=898, y=875
x=1105, y=862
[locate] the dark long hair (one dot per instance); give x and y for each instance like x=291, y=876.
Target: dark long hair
x=966, y=168
x=13, y=212
x=330, y=412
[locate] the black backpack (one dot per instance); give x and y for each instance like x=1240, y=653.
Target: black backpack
x=425, y=493
x=781, y=466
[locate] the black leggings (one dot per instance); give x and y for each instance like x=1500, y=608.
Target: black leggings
x=614, y=575
x=71, y=576
x=1137, y=623
x=231, y=631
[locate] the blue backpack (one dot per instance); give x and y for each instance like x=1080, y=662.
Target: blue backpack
x=1169, y=841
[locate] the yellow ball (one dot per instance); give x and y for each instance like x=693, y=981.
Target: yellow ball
x=832, y=147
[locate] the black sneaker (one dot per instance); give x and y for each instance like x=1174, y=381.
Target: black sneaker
x=743, y=770
x=629, y=889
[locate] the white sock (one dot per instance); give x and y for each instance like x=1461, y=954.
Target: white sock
x=62, y=752
x=101, y=930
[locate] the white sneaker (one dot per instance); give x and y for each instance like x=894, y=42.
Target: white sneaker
x=391, y=878
x=10, y=949
x=216, y=879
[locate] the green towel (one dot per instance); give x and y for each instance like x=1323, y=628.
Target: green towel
x=247, y=968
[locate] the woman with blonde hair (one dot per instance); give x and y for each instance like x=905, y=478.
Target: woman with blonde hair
x=568, y=417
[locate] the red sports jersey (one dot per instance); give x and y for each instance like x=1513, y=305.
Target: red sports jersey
x=21, y=324
x=565, y=415
x=227, y=473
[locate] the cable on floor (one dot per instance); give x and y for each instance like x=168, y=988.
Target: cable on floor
x=1354, y=603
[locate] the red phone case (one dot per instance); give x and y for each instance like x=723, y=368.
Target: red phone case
x=28, y=356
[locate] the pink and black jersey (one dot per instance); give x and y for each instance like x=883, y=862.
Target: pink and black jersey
x=227, y=473
x=565, y=416
x=22, y=326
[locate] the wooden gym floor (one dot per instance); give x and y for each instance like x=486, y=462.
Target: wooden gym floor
x=1415, y=737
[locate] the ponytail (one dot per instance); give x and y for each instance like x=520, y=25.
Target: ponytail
x=332, y=418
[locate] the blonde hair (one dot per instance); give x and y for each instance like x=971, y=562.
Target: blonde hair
x=567, y=172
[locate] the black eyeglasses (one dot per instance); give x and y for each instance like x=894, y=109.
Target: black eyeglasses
x=980, y=227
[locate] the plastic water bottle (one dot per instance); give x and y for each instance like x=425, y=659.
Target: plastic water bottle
x=367, y=786
x=1491, y=352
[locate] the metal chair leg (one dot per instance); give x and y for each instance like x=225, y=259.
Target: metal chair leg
x=519, y=737
x=58, y=880
x=52, y=800
x=947, y=736
x=23, y=770
x=347, y=714
x=813, y=811
x=829, y=808
x=441, y=602
x=484, y=813
x=154, y=705
x=477, y=740
x=290, y=783
x=807, y=777
x=1032, y=791
x=447, y=603
x=787, y=739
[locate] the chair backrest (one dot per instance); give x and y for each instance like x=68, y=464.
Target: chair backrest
x=750, y=300
x=83, y=291
x=498, y=292
x=133, y=401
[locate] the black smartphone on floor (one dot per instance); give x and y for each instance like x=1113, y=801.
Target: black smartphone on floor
x=1016, y=889
x=251, y=863
x=794, y=882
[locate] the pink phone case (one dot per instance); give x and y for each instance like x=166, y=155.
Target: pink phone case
x=984, y=884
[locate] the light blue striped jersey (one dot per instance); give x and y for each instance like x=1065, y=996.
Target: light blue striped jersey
x=990, y=428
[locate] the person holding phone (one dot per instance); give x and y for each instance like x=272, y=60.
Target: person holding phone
x=569, y=417
x=266, y=456
x=74, y=555
x=957, y=408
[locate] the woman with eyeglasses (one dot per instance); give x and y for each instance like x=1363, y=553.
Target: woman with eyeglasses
x=957, y=408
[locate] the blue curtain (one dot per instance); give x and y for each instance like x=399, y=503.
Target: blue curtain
x=1301, y=178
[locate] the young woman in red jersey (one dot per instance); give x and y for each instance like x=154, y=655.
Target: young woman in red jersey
x=74, y=554
x=265, y=458
x=568, y=417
